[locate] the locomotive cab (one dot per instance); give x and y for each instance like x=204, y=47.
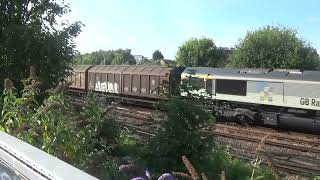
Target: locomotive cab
x=197, y=82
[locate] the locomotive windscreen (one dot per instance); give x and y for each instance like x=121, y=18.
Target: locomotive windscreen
x=231, y=87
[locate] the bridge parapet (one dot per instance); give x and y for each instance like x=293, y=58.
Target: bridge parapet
x=20, y=160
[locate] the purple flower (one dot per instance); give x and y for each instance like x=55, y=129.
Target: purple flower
x=166, y=176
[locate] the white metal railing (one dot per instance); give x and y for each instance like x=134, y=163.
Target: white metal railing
x=20, y=160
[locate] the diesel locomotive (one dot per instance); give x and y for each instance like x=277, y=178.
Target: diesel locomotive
x=276, y=97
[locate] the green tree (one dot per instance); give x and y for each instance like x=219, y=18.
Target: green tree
x=120, y=56
x=180, y=135
x=123, y=56
x=31, y=35
x=221, y=58
x=274, y=47
x=157, y=55
x=200, y=52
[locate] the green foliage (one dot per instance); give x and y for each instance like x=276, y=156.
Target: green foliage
x=123, y=57
x=157, y=55
x=179, y=136
x=191, y=85
x=222, y=57
x=200, y=52
x=108, y=170
x=146, y=61
x=129, y=145
x=31, y=35
x=120, y=56
x=219, y=161
x=80, y=134
x=274, y=47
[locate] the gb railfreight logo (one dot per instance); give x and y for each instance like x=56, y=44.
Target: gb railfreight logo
x=310, y=102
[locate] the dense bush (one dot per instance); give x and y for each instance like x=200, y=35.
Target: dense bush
x=180, y=135
x=82, y=134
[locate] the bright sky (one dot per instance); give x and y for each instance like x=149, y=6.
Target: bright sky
x=147, y=25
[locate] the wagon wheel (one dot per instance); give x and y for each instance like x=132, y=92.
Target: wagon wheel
x=243, y=119
x=220, y=117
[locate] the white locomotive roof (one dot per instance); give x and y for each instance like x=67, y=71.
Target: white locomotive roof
x=276, y=74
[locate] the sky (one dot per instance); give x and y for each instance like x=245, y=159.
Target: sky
x=147, y=25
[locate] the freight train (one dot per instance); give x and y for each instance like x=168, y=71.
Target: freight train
x=276, y=97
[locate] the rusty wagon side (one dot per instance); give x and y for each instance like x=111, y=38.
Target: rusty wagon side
x=79, y=77
x=128, y=80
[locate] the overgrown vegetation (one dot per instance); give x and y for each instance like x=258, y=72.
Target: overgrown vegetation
x=82, y=134
x=180, y=135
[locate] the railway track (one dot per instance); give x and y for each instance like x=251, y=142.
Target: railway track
x=296, y=141
x=281, y=166
x=273, y=138
x=284, y=167
x=141, y=122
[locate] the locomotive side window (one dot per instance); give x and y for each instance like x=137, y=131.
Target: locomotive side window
x=209, y=86
x=231, y=87
x=198, y=83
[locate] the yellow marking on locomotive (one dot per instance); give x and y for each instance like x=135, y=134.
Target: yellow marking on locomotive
x=266, y=94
